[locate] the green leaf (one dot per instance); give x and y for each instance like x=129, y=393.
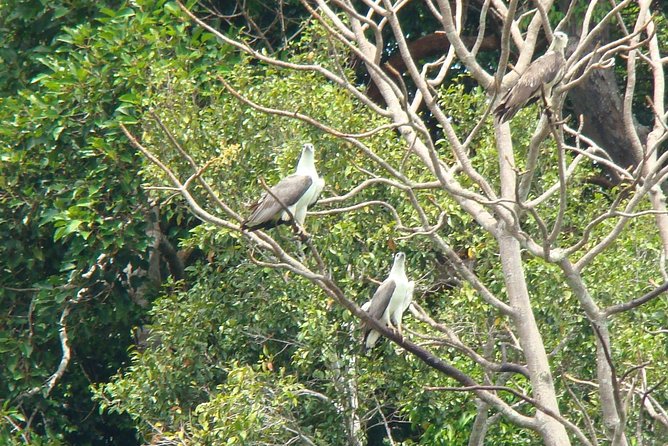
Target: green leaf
x=130, y=98
x=172, y=8
x=69, y=228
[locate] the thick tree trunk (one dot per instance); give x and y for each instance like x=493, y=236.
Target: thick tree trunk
x=609, y=403
x=479, y=428
x=604, y=375
x=531, y=341
x=599, y=101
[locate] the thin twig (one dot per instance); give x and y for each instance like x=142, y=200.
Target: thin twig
x=585, y=415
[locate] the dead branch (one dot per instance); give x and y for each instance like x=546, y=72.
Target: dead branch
x=454, y=341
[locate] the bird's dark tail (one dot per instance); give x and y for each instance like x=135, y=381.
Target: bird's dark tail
x=265, y=225
x=503, y=113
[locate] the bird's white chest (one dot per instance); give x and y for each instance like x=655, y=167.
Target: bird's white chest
x=398, y=296
x=310, y=195
x=299, y=208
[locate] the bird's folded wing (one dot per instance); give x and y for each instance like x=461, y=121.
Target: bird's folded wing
x=381, y=299
x=288, y=191
x=542, y=71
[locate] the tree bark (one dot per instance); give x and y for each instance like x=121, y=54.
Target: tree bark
x=479, y=427
x=604, y=373
x=598, y=100
x=531, y=341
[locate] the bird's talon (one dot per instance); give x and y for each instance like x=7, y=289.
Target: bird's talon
x=301, y=233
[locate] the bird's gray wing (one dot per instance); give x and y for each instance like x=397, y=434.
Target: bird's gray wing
x=379, y=302
x=288, y=191
x=541, y=71
x=381, y=299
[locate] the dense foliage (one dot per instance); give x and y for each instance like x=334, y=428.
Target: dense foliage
x=73, y=215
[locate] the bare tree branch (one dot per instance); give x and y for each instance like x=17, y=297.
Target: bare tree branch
x=454, y=341
x=549, y=412
x=626, y=306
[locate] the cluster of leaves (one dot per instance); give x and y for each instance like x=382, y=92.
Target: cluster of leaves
x=72, y=211
x=30, y=29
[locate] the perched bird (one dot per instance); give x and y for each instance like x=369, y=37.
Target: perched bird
x=542, y=74
x=294, y=193
x=390, y=300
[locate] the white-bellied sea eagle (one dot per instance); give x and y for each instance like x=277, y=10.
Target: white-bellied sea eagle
x=291, y=196
x=390, y=300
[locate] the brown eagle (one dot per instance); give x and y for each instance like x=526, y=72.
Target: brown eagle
x=543, y=73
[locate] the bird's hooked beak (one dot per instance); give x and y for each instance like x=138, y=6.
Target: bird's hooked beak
x=308, y=148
